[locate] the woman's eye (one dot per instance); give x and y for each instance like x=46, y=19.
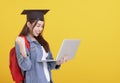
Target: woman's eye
x=38, y=25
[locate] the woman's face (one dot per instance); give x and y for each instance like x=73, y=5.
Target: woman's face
x=38, y=28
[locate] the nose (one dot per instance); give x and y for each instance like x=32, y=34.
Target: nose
x=40, y=28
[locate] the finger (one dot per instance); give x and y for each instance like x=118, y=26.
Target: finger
x=58, y=62
x=19, y=39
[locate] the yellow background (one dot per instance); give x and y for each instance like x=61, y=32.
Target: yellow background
x=95, y=22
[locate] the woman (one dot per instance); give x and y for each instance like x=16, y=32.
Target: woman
x=30, y=60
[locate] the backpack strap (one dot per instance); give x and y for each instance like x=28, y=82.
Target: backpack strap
x=27, y=43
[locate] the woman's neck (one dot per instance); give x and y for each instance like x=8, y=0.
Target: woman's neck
x=32, y=37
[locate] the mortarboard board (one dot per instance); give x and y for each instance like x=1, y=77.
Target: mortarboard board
x=35, y=14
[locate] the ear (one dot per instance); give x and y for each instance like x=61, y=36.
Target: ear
x=29, y=25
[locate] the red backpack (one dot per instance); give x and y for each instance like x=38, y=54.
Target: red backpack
x=14, y=67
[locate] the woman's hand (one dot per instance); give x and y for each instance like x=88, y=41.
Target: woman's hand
x=63, y=60
x=21, y=42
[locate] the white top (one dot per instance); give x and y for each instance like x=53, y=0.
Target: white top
x=45, y=65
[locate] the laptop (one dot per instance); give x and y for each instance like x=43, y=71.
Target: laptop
x=69, y=47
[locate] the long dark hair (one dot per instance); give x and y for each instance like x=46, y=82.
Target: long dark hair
x=39, y=38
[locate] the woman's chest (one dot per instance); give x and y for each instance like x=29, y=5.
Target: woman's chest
x=36, y=52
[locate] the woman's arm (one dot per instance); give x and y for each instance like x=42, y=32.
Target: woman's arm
x=52, y=65
x=57, y=64
x=22, y=54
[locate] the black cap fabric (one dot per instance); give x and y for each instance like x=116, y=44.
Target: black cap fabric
x=35, y=14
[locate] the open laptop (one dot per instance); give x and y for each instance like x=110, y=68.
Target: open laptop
x=69, y=47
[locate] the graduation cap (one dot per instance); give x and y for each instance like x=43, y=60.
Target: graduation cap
x=35, y=14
